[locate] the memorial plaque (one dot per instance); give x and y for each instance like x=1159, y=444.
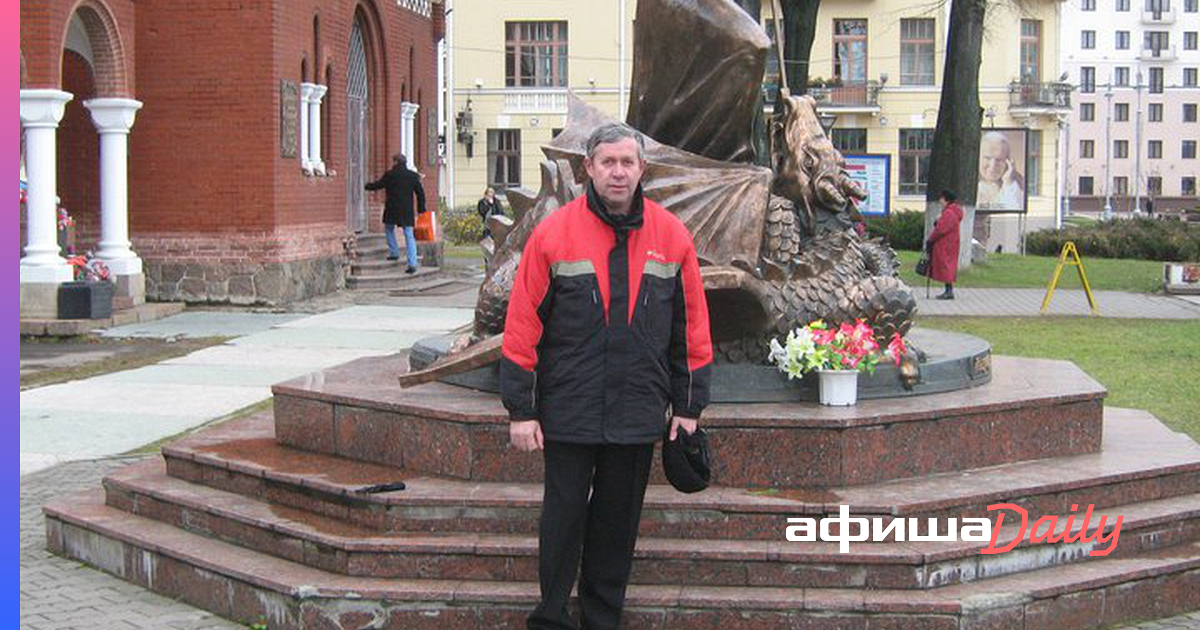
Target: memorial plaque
x=289, y=118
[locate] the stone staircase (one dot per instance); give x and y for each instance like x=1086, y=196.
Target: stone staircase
x=260, y=519
x=371, y=269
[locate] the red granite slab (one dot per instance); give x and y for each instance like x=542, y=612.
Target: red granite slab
x=1031, y=409
x=228, y=579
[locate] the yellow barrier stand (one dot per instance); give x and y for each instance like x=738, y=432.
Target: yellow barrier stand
x=1069, y=250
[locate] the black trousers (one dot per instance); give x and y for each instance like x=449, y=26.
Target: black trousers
x=600, y=529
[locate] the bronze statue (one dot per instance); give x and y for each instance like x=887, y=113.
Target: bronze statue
x=777, y=246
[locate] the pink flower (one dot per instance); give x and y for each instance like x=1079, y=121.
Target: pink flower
x=896, y=348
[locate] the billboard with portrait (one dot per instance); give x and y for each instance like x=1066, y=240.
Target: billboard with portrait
x=874, y=173
x=1003, y=157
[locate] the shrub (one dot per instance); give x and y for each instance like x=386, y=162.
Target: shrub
x=1137, y=238
x=461, y=225
x=902, y=230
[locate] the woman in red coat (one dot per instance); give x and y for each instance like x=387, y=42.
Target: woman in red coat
x=942, y=244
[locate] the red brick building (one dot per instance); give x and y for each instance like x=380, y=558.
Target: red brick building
x=250, y=129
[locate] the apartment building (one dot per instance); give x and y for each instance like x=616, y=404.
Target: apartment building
x=1134, y=128
x=876, y=74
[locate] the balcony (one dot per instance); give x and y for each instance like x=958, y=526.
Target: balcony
x=1166, y=53
x=525, y=101
x=859, y=97
x=1158, y=15
x=1039, y=98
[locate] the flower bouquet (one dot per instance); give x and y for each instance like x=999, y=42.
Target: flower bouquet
x=838, y=354
x=90, y=296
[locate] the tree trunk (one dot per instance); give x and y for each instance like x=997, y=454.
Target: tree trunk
x=799, y=28
x=954, y=160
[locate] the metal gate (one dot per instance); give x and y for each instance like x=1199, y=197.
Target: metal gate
x=357, y=147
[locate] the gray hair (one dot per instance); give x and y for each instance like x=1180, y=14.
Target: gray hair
x=614, y=132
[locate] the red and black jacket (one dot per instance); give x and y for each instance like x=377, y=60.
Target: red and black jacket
x=607, y=325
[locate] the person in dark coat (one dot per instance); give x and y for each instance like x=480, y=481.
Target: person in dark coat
x=488, y=206
x=942, y=244
x=401, y=184
x=607, y=329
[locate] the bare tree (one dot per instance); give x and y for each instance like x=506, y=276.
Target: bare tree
x=954, y=160
x=799, y=23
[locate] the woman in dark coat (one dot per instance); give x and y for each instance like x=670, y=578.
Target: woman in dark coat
x=942, y=244
x=401, y=184
x=489, y=205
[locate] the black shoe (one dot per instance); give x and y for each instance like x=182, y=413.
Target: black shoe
x=411, y=270
x=393, y=258
x=944, y=296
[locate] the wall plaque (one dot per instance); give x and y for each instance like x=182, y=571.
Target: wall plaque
x=289, y=118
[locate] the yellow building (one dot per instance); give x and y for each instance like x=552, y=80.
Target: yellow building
x=876, y=73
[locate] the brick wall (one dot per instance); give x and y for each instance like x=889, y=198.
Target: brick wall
x=110, y=25
x=207, y=183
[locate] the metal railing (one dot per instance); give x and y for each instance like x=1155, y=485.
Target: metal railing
x=849, y=95
x=1052, y=95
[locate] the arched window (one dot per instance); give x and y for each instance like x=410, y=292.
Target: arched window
x=304, y=70
x=316, y=48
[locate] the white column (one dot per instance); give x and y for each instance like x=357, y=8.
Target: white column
x=314, y=128
x=41, y=110
x=408, y=117
x=306, y=90
x=113, y=118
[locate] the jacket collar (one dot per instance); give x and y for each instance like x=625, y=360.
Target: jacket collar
x=620, y=223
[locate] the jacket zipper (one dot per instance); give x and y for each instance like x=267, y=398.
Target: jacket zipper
x=533, y=393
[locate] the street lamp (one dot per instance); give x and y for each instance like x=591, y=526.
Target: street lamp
x=1108, y=94
x=827, y=121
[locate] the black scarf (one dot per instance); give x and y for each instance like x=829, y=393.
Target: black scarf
x=622, y=224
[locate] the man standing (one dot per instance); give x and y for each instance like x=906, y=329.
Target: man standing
x=607, y=326
x=400, y=184
x=942, y=244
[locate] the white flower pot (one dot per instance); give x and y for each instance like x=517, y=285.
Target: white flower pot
x=838, y=387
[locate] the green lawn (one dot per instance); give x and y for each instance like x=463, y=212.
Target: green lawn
x=1014, y=270
x=1145, y=364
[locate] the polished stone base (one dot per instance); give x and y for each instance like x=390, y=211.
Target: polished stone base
x=1030, y=409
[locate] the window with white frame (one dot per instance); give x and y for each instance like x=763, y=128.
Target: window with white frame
x=1120, y=149
x=1122, y=40
x=1087, y=149
x=1154, y=186
x=1087, y=112
x=1188, y=150
x=535, y=54
x=915, y=147
x=1120, y=185
x=504, y=158
x=1121, y=76
x=1189, y=77
x=1087, y=79
x=1122, y=5
x=1087, y=5
x=1154, y=149
x=916, y=51
x=1154, y=112
x=1087, y=185
x=1189, y=112
x=1187, y=186
x=1189, y=40
x=1033, y=163
x=1121, y=112
x=1157, y=83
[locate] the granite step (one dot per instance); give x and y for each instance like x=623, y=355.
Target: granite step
x=392, y=277
x=1142, y=461
x=333, y=545
x=251, y=587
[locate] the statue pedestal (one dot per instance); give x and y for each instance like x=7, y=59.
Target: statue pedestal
x=260, y=518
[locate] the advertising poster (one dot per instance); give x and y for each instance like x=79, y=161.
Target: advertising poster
x=873, y=173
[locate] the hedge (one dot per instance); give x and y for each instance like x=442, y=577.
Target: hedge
x=902, y=230
x=1133, y=238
